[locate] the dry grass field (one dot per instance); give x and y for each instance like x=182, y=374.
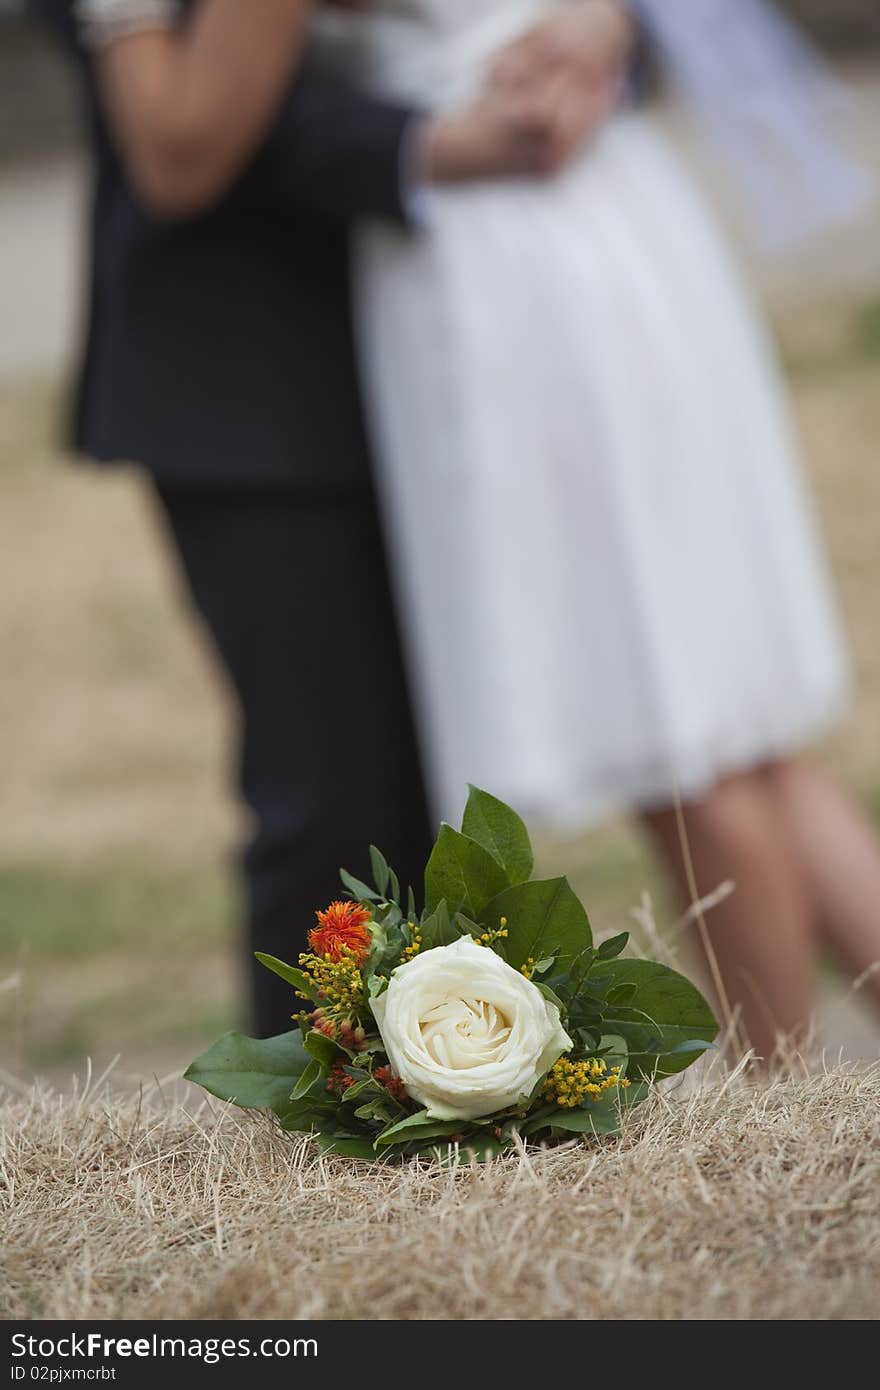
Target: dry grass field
x=733, y=1203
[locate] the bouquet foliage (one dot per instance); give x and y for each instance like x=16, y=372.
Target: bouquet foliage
x=486, y=1016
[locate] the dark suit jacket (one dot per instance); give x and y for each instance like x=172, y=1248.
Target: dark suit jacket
x=218, y=349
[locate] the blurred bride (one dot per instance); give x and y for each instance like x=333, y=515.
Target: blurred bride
x=614, y=591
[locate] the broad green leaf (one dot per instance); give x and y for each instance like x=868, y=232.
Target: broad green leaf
x=467, y=927
x=382, y=1109
x=419, y=1126
x=690, y=1045
x=349, y=1146
x=359, y=890
x=612, y=947
x=257, y=1073
x=613, y=1049
x=499, y=830
x=665, y=1012
x=387, y=942
x=463, y=873
x=479, y=1148
x=543, y=918
x=535, y=1120
x=381, y=871
x=592, y=1119
x=302, y=1116
x=323, y=1049
x=548, y=993
x=574, y=987
x=438, y=930
x=302, y=983
x=310, y=1074
x=621, y=994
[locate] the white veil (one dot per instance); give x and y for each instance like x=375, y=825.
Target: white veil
x=774, y=111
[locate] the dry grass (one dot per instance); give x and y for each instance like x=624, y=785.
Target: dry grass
x=744, y=1200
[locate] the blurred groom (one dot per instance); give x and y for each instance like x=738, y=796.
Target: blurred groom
x=219, y=356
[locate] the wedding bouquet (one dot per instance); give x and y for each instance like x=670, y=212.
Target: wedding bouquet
x=487, y=1016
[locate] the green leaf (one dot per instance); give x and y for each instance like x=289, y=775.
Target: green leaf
x=381, y=871
x=383, y=1110
x=394, y=886
x=349, y=1147
x=480, y=1148
x=419, y=1126
x=574, y=987
x=533, y=1121
x=665, y=1012
x=621, y=994
x=592, y=1119
x=438, y=930
x=256, y=1073
x=387, y=943
x=323, y=1049
x=310, y=1074
x=302, y=983
x=462, y=872
x=467, y=927
x=690, y=1045
x=613, y=1049
x=499, y=830
x=359, y=890
x=543, y=918
x=297, y=1117
x=548, y=993
x=612, y=947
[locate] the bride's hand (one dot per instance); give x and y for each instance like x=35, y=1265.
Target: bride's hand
x=592, y=40
x=505, y=134
x=572, y=64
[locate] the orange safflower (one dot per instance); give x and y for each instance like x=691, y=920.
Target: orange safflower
x=343, y=927
x=386, y=1077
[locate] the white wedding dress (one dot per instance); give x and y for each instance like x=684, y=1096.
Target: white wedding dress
x=610, y=576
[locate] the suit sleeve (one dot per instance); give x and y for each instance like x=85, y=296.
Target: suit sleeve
x=332, y=151
x=336, y=152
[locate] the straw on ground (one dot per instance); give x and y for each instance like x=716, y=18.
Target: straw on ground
x=744, y=1200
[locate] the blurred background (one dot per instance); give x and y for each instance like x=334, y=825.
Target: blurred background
x=117, y=902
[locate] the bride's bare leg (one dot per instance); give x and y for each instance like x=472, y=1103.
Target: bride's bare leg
x=761, y=934
x=840, y=859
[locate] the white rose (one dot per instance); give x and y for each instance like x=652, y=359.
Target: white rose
x=465, y=1032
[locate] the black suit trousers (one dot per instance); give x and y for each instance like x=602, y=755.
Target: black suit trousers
x=295, y=594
